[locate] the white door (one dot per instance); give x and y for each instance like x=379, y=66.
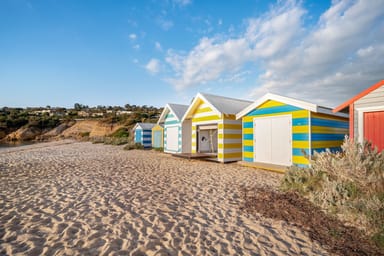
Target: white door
x=172, y=138
x=273, y=140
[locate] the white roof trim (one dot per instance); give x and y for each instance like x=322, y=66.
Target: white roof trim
x=164, y=114
x=201, y=97
x=290, y=101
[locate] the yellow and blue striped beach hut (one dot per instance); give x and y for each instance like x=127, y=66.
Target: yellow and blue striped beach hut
x=177, y=135
x=279, y=131
x=215, y=129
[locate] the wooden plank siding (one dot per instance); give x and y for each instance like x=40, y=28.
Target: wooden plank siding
x=228, y=132
x=310, y=131
x=300, y=128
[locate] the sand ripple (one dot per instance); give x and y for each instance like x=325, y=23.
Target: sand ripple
x=85, y=199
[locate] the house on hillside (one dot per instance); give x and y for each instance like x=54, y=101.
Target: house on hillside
x=366, y=115
x=177, y=135
x=214, y=128
x=279, y=131
x=143, y=134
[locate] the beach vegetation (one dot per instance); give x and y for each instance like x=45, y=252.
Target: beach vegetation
x=348, y=184
x=132, y=146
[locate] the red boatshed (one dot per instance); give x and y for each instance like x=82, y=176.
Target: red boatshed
x=366, y=115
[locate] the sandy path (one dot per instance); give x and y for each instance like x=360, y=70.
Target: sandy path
x=85, y=199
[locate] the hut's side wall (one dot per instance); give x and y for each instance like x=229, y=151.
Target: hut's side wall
x=229, y=143
x=327, y=132
x=300, y=129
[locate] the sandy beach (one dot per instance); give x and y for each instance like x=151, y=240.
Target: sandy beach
x=78, y=198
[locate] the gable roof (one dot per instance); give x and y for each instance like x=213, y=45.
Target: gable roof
x=358, y=96
x=290, y=101
x=144, y=126
x=219, y=104
x=177, y=110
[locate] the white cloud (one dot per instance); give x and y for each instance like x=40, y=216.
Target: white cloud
x=153, y=66
x=158, y=46
x=132, y=36
x=136, y=47
x=164, y=23
x=325, y=63
x=182, y=2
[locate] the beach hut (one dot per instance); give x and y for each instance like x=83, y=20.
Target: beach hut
x=280, y=131
x=366, y=115
x=177, y=135
x=143, y=134
x=215, y=130
x=157, y=136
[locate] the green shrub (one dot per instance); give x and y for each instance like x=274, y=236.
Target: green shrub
x=349, y=183
x=85, y=134
x=120, y=133
x=134, y=146
x=158, y=149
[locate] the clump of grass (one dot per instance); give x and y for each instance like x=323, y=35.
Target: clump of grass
x=134, y=146
x=349, y=184
x=159, y=149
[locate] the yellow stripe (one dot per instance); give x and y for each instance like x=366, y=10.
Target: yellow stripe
x=229, y=126
x=326, y=144
x=248, y=142
x=300, y=160
x=295, y=114
x=271, y=103
x=203, y=110
x=248, y=154
x=300, y=144
x=194, y=150
x=194, y=128
x=331, y=130
x=300, y=129
x=229, y=145
x=206, y=118
x=193, y=144
x=230, y=136
x=248, y=130
x=229, y=155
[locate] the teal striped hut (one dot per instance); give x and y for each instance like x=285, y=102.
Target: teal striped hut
x=177, y=134
x=280, y=131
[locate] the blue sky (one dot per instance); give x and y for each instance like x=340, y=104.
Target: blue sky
x=94, y=52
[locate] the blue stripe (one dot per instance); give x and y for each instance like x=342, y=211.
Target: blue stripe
x=273, y=110
x=325, y=137
x=247, y=159
x=329, y=123
x=248, y=149
x=302, y=165
x=299, y=152
x=300, y=121
x=248, y=125
x=300, y=136
x=147, y=136
x=332, y=149
x=247, y=136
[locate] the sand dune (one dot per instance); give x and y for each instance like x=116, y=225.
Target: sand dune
x=69, y=198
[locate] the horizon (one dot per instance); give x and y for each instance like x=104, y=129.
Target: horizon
x=156, y=52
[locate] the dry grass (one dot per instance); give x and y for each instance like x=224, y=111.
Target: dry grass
x=349, y=184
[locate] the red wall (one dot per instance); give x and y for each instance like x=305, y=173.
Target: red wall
x=374, y=128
